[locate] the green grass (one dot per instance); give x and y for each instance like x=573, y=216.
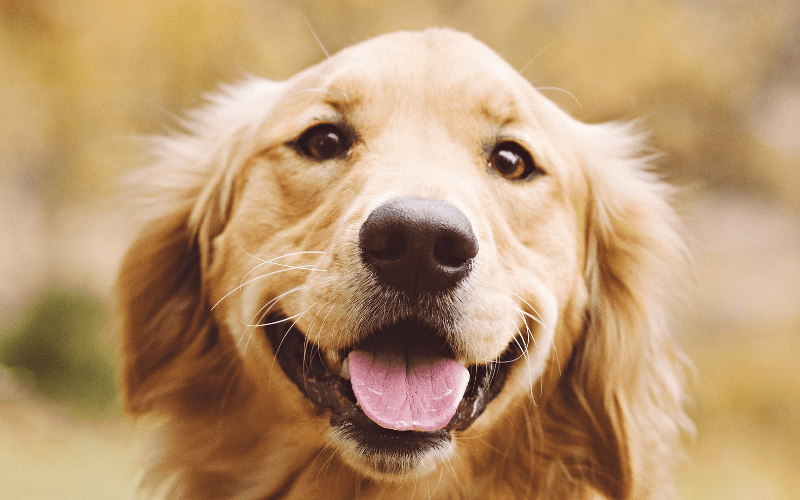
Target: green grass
x=54, y=347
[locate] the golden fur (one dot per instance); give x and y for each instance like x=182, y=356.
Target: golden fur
x=577, y=262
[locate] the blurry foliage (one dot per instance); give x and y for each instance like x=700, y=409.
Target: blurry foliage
x=84, y=74
x=54, y=348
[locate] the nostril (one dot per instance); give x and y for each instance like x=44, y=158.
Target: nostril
x=384, y=246
x=454, y=252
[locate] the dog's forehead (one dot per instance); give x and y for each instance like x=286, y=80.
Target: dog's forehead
x=427, y=49
x=431, y=65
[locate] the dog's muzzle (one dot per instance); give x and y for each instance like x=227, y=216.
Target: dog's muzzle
x=411, y=392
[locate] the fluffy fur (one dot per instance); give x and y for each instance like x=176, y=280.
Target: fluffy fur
x=577, y=264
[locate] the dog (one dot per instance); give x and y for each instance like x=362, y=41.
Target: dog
x=403, y=273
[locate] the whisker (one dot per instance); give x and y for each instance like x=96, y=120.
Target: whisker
x=272, y=261
x=530, y=368
x=274, y=258
x=243, y=283
x=539, y=318
x=284, y=320
x=522, y=315
x=305, y=343
x=449, y=464
x=536, y=57
x=245, y=251
x=311, y=324
x=268, y=306
x=558, y=361
x=541, y=322
x=336, y=324
x=304, y=252
x=438, y=483
x=517, y=339
x=319, y=331
x=328, y=446
x=558, y=89
x=275, y=357
x=319, y=42
x=270, y=303
x=527, y=356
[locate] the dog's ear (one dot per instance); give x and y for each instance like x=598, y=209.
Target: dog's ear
x=626, y=376
x=183, y=199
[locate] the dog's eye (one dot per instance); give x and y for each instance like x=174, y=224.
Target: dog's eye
x=512, y=161
x=324, y=142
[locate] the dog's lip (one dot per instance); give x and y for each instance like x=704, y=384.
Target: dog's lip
x=319, y=374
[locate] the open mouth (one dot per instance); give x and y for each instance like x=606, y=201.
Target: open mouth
x=396, y=424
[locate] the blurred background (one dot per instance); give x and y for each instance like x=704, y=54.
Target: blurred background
x=716, y=82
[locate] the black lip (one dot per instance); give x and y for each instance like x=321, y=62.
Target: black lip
x=303, y=364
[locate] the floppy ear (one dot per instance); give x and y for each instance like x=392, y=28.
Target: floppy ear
x=184, y=200
x=625, y=381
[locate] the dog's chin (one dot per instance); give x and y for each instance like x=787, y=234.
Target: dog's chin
x=377, y=452
x=404, y=454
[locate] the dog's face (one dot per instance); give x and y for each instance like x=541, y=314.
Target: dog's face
x=395, y=260
x=408, y=204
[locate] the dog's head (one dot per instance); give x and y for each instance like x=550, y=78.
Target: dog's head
x=406, y=260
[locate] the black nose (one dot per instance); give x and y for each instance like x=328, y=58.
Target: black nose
x=417, y=244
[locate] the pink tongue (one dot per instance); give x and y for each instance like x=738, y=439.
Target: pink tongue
x=407, y=391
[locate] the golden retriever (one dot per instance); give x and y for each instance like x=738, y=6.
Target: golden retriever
x=403, y=273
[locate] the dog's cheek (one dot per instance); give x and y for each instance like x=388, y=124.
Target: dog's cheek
x=241, y=288
x=296, y=186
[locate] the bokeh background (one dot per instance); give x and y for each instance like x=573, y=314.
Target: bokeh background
x=716, y=82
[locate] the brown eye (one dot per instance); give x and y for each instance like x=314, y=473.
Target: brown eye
x=324, y=142
x=512, y=161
